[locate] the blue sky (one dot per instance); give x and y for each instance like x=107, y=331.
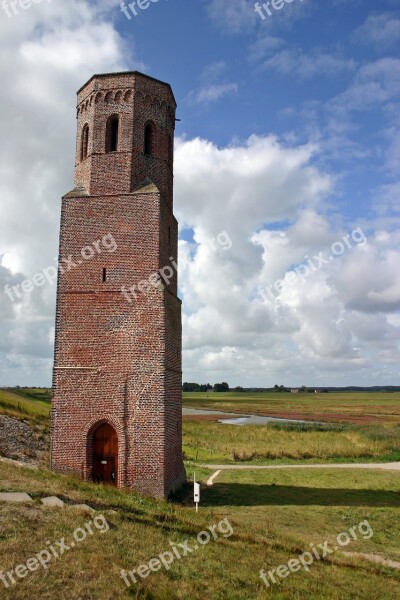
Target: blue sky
x=293, y=74
x=288, y=142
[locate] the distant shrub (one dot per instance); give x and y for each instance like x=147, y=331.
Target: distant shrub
x=321, y=427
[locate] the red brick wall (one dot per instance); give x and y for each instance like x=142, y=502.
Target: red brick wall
x=119, y=361
x=137, y=99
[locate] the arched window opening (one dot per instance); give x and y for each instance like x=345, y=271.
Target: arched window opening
x=85, y=142
x=149, y=139
x=112, y=134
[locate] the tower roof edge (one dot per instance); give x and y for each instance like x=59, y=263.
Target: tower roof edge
x=121, y=74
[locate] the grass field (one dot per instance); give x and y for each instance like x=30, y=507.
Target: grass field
x=259, y=444
x=30, y=403
x=274, y=515
x=353, y=407
x=340, y=439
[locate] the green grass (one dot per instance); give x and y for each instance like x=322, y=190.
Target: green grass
x=275, y=516
x=290, y=442
x=25, y=405
x=266, y=444
x=32, y=393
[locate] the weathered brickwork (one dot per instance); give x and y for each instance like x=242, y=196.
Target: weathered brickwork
x=118, y=360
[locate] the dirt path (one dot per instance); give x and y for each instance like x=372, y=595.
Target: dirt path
x=391, y=466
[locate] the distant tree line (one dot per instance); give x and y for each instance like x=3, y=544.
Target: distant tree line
x=196, y=387
x=224, y=387
x=280, y=388
x=205, y=387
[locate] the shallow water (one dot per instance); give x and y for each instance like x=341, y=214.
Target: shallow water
x=238, y=419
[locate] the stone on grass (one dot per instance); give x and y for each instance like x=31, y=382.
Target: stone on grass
x=83, y=507
x=52, y=501
x=15, y=497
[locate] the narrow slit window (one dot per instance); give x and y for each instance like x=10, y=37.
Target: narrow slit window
x=85, y=142
x=104, y=275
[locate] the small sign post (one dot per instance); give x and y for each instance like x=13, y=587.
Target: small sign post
x=196, y=493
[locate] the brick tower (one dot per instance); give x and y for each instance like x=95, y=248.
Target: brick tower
x=117, y=402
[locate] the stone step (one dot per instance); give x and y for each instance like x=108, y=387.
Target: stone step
x=50, y=501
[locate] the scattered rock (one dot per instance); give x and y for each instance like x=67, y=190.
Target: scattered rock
x=15, y=497
x=52, y=501
x=21, y=440
x=83, y=507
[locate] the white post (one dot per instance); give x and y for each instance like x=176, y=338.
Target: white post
x=196, y=493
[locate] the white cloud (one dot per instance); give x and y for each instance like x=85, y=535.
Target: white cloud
x=270, y=53
x=387, y=200
x=264, y=46
x=380, y=30
x=375, y=83
x=233, y=16
x=269, y=197
x=50, y=50
x=213, y=93
x=214, y=85
x=237, y=16
x=317, y=326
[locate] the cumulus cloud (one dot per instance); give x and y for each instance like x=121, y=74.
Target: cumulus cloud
x=270, y=200
x=266, y=197
x=43, y=67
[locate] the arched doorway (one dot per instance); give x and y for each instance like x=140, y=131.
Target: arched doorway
x=105, y=455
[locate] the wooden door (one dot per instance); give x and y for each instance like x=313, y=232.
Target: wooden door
x=105, y=455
